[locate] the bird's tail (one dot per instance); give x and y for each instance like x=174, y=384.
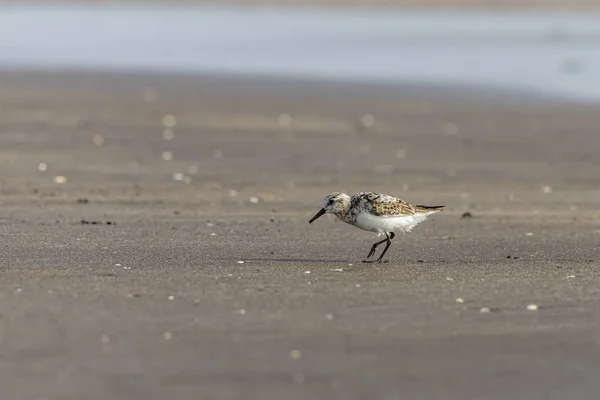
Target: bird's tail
x=427, y=209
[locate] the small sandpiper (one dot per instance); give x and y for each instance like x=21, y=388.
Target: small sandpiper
x=376, y=212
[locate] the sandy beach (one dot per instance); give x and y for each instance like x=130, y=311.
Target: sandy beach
x=155, y=241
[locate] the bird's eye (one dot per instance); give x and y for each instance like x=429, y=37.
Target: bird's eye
x=330, y=202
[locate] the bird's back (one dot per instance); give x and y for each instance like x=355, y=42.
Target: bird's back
x=383, y=205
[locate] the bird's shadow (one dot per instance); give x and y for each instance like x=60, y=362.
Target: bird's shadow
x=299, y=260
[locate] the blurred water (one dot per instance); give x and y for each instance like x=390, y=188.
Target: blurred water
x=549, y=54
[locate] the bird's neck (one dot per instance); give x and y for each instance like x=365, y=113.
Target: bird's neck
x=345, y=214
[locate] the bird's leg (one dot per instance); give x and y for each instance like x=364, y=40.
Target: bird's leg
x=375, y=247
x=387, y=239
x=387, y=246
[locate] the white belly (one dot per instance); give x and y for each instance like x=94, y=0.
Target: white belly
x=373, y=223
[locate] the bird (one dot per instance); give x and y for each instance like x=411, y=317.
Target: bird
x=376, y=212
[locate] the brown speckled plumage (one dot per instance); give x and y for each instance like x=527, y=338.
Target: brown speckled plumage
x=385, y=205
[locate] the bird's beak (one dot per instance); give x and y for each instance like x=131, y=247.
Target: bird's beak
x=317, y=215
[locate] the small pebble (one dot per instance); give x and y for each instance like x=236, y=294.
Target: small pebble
x=296, y=354
x=367, y=120
x=98, y=140
x=166, y=155
x=59, y=179
x=460, y=300
x=339, y=269
x=178, y=176
x=171, y=297
x=42, y=167
x=547, y=189
x=253, y=200
x=529, y=233
x=484, y=310
x=450, y=128
x=240, y=262
x=169, y=121
x=532, y=307
x=168, y=335
x=358, y=285
x=329, y=316
x=571, y=276
x=242, y=311
x=307, y=272
x=213, y=234
x=117, y=265
x=284, y=120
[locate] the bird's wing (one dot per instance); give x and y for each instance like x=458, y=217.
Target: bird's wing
x=383, y=205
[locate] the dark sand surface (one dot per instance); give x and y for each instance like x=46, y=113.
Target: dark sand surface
x=86, y=312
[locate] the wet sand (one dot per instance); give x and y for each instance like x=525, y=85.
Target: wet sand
x=157, y=305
